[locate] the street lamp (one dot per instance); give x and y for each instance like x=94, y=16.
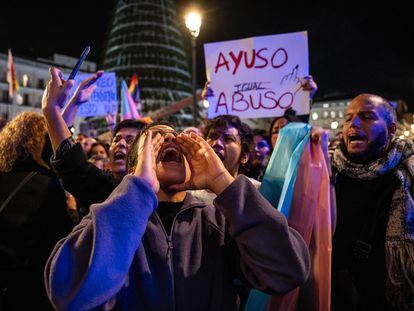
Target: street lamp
x=193, y=23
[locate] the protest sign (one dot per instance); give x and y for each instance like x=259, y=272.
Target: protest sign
x=258, y=77
x=103, y=99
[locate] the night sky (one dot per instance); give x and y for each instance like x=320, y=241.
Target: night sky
x=353, y=47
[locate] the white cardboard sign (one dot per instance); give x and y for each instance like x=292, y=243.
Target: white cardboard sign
x=258, y=77
x=104, y=98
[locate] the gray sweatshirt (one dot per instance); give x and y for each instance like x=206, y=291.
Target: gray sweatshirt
x=120, y=255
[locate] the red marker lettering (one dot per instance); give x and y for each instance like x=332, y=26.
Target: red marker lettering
x=236, y=60
x=223, y=63
x=286, y=100
x=222, y=102
x=284, y=58
x=262, y=58
x=251, y=64
x=239, y=99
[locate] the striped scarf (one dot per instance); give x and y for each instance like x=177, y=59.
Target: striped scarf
x=399, y=239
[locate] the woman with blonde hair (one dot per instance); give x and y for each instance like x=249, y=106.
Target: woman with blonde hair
x=32, y=213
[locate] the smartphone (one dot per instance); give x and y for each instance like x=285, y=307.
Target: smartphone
x=79, y=63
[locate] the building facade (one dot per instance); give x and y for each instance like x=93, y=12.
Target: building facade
x=329, y=115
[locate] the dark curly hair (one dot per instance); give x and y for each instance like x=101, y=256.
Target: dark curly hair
x=245, y=132
x=129, y=123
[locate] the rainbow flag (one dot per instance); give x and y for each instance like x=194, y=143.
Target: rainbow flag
x=135, y=92
x=128, y=107
x=11, y=76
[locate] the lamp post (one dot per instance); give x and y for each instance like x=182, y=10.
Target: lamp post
x=193, y=23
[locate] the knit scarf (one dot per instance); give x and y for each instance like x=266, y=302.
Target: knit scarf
x=399, y=239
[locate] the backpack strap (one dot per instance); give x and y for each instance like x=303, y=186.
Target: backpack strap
x=19, y=186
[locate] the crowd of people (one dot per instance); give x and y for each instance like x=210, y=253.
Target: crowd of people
x=174, y=220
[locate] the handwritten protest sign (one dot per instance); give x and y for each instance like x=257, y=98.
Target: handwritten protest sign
x=103, y=99
x=258, y=77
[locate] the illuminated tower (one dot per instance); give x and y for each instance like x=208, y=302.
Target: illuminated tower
x=145, y=38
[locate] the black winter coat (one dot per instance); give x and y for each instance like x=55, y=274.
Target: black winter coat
x=30, y=225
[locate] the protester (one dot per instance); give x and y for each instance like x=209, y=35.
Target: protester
x=232, y=141
x=98, y=155
x=152, y=246
x=100, y=162
x=87, y=144
x=82, y=179
x=80, y=137
x=280, y=122
x=260, y=155
x=99, y=149
x=373, y=249
x=33, y=213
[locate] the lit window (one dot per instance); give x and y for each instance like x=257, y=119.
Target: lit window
x=334, y=125
x=333, y=114
x=25, y=80
x=315, y=116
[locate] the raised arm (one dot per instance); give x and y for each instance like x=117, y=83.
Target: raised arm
x=81, y=178
x=89, y=267
x=54, y=98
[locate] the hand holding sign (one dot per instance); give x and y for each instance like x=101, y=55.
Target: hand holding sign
x=308, y=84
x=258, y=77
x=207, y=91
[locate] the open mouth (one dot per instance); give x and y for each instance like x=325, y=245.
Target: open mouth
x=119, y=156
x=170, y=153
x=355, y=137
